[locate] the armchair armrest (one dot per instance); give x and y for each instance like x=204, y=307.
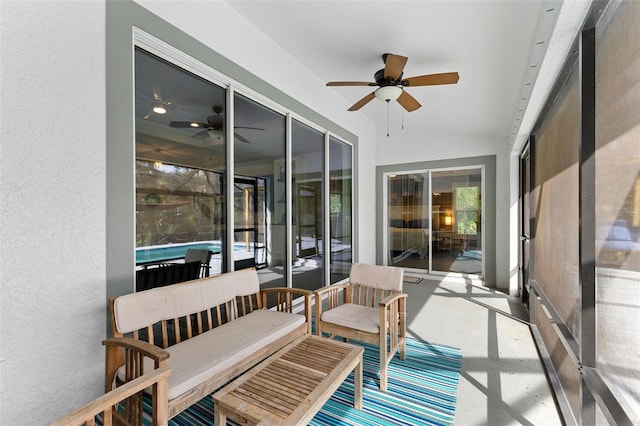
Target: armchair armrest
x=392, y=298
x=124, y=349
x=333, y=300
x=332, y=292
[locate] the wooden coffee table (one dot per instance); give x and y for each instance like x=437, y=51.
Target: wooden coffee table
x=289, y=387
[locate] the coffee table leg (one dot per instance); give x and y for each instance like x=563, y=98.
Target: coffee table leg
x=219, y=417
x=357, y=386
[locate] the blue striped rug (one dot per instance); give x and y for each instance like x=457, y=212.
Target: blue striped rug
x=421, y=391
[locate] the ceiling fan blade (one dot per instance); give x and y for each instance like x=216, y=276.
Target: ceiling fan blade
x=202, y=134
x=362, y=102
x=351, y=83
x=408, y=102
x=431, y=79
x=240, y=138
x=393, y=66
x=188, y=124
x=247, y=127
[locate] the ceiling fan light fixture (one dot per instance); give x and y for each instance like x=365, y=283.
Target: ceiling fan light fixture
x=388, y=93
x=194, y=124
x=159, y=109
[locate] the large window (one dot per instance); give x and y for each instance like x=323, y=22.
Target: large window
x=260, y=213
x=307, y=150
x=277, y=203
x=340, y=210
x=180, y=164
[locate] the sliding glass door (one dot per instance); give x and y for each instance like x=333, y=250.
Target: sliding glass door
x=259, y=157
x=408, y=220
x=307, y=170
x=434, y=221
x=340, y=210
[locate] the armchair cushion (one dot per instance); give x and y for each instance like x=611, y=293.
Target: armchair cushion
x=381, y=277
x=354, y=316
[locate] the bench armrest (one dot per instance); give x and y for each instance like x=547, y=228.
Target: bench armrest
x=119, y=349
x=284, y=299
x=104, y=404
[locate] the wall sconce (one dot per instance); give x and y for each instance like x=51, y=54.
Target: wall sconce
x=447, y=220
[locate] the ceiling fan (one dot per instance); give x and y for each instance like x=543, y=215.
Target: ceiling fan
x=159, y=105
x=391, y=84
x=213, y=127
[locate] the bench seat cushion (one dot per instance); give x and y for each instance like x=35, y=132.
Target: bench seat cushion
x=202, y=357
x=354, y=316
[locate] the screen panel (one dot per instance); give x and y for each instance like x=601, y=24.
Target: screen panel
x=618, y=202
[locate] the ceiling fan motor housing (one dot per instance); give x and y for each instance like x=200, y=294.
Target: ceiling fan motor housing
x=381, y=81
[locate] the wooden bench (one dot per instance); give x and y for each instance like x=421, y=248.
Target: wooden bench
x=208, y=331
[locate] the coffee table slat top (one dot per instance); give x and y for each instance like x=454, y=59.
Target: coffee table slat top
x=293, y=384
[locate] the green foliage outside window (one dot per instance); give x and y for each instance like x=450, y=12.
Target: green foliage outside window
x=467, y=207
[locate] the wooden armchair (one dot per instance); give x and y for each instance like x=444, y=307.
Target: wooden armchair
x=372, y=309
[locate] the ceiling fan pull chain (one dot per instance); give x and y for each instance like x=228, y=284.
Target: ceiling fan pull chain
x=387, y=117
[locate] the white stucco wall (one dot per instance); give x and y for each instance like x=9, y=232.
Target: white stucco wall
x=408, y=145
x=52, y=201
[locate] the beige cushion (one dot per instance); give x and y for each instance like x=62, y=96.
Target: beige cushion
x=138, y=310
x=200, y=358
x=354, y=316
x=382, y=277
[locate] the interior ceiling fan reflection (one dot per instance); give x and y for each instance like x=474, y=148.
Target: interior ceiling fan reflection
x=213, y=128
x=159, y=105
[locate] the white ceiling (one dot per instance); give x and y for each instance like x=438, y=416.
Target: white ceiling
x=496, y=46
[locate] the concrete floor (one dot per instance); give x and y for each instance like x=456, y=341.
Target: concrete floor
x=502, y=380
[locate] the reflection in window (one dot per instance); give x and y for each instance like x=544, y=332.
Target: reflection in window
x=307, y=148
x=340, y=225
x=181, y=176
x=260, y=191
x=180, y=163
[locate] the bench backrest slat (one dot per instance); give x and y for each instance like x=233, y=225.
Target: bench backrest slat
x=165, y=334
